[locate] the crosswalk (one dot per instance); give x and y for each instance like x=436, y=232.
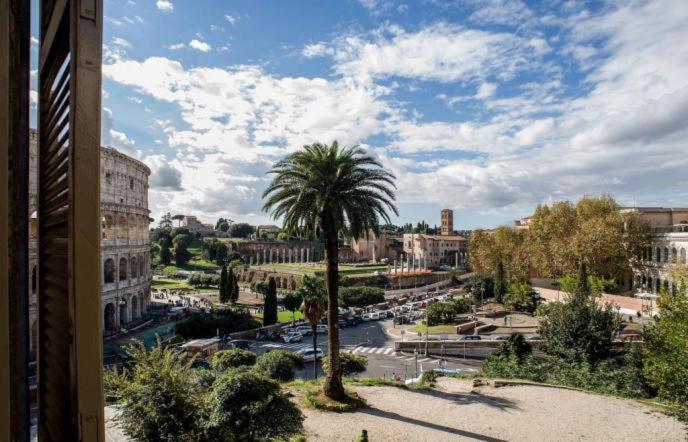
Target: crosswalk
x=292, y=346
x=389, y=351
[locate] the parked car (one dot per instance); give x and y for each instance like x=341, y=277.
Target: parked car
x=533, y=338
x=500, y=338
x=353, y=320
x=321, y=329
x=365, y=317
x=374, y=316
x=402, y=319
x=342, y=323
x=292, y=337
x=305, y=330
x=308, y=355
x=471, y=338
x=390, y=314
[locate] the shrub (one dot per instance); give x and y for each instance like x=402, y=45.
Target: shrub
x=361, y=296
x=236, y=357
x=157, y=396
x=440, y=313
x=348, y=363
x=270, y=303
x=206, y=325
x=276, y=364
x=245, y=405
x=198, y=279
x=516, y=346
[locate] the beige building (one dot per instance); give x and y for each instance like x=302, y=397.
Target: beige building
x=193, y=225
x=435, y=250
x=374, y=247
x=125, y=247
x=669, y=247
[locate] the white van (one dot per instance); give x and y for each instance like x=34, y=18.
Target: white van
x=309, y=356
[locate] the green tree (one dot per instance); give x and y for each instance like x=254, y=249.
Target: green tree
x=666, y=360
x=181, y=254
x=166, y=221
x=179, y=219
x=580, y=329
x=335, y=191
x=224, y=287
x=246, y=406
x=223, y=224
x=516, y=345
x=240, y=230
x=225, y=359
x=270, y=303
x=313, y=293
x=165, y=253
x=233, y=285
x=361, y=296
x=292, y=302
x=155, y=395
x=440, y=313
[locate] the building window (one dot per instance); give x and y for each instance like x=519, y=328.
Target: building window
x=682, y=257
x=108, y=178
x=666, y=254
x=134, y=268
x=658, y=255
x=122, y=269
x=131, y=183
x=107, y=227
x=109, y=271
x=121, y=227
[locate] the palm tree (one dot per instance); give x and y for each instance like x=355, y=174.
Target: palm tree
x=313, y=294
x=331, y=190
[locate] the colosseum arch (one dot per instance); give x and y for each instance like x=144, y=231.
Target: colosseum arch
x=121, y=227
x=142, y=267
x=109, y=317
x=682, y=256
x=123, y=311
x=109, y=271
x=674, y=255
x=134, y=267
x=122, y=269
x=108, y=227
x=135, y=307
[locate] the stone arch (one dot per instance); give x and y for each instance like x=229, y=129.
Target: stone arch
x=121, y=227
x=123, y=311
x=682, y=256
x=292, y=283
x=108, y=227
x=665, y=256
x=142, y=267
x=135, y=307
x=658, y=255
x=133, y=227
x=123, y=269
x=674, y=255
x=109, y=271
x=109, y=317
x=134, y=267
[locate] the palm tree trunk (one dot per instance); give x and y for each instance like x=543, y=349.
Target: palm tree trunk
x=315, y=346
x=333, y=387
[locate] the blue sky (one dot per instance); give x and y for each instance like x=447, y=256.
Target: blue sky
x=486, y=107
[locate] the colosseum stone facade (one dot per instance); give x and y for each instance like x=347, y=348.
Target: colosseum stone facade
x=125, y=248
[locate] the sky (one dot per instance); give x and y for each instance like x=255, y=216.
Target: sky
x=485, y=107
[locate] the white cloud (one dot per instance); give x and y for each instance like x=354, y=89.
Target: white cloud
x=164, y=5
x=199, y=45
x=231, y=19
x=177, y=46
x=440, y=52
x=317, y=50
x=118, y=41
x=486, y=90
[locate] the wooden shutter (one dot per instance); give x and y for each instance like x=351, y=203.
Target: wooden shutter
x=69, y=328
x=14, y=165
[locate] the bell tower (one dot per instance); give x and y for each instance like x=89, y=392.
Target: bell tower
x=447, y=216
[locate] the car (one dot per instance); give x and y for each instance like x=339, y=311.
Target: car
x=500, y=338
x=292, y=337
x=353, y=321
x=309, y=356
x=242, y=344
x=401, y=319
x=342, y=323
x=390, y=314
x=471, y=338
x=374, y=316
x=305, y=330
x=365, y=317
x=321, y=329
x=533, y=338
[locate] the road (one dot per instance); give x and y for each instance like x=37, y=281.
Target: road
x=383, y=361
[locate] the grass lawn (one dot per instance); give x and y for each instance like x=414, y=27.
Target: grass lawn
x=195, y=265
x=434, y=330
x=284, y=316
x=310, y=269
x=170, y=284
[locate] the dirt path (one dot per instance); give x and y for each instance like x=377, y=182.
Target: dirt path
x=524, y=413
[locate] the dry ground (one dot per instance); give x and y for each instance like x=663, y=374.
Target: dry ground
x=453, y=412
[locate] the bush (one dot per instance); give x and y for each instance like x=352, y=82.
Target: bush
x=516, y=346
x=156, y=396
x=361, y=296
x=236, y=357
x=198, y=279
x=440, y=313
x=247, y=406
x=348, y=363
x=206, y=325
x=277, y=364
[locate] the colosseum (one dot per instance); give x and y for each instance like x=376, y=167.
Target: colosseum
x=125, y=248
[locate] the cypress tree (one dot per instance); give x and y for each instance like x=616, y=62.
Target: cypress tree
x=270, y=304
x=234, y=289
x=500, y=282
x=583, y=287
x=224, y=293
